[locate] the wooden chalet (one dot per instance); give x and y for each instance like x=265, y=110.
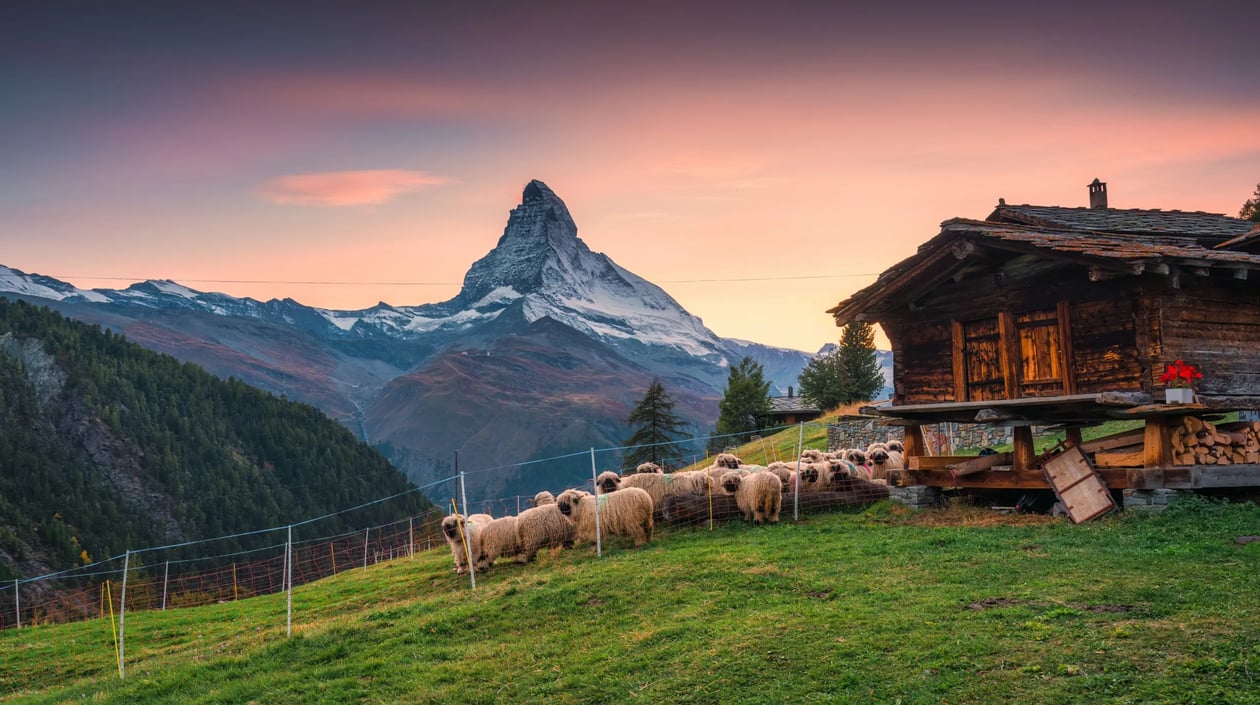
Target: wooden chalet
x=792, y=409
x=1042, y=316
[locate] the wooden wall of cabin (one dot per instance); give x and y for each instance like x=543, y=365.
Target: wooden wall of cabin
x=1101, y=344
x=1214, y=324
x=920, y=373
x=1105, y=350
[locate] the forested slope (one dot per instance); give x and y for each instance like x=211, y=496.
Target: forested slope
x=105, y=445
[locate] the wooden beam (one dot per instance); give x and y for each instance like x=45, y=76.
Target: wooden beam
x=1118, y=440
x=1119, y=458
x=1073, y=435
x=1157, y=442
x=1024, y=455
x=1144, y=478
x=1008, y=348
x=1067, y=355
x=978, y=464
x=914, y=441
x=960, y=361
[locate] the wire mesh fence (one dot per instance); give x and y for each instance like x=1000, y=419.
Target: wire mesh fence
x=111, y=608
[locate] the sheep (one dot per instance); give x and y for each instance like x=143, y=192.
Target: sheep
x=542, y=526
x=649, y=468
x=759, y=495
x=729, y=461
x=626, y=512
x=658, y=487
x=498, y=538
x=543, y=498
x=783, y=471
x=456, y=529
x=694, y=509
x=894, y=444
x=882, y=460
x=854, y=455
x=811, y=455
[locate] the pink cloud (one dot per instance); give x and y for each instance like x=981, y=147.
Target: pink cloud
x=346, y=188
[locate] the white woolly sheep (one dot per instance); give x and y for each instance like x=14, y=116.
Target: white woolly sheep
x=658, y=487
x=894, y=444
x=783, y=471
x=811, y=455
x=498, y=538
x=626, y=512
x=730, y=461
x=759, y=495
x=882, y=459
x=456, y=529
x=649, y=468
x=539, y=527
x=543, y=498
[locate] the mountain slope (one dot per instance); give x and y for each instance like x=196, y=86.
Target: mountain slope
x=108, y=446
x=497, y=344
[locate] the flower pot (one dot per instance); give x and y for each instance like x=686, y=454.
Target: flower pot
x=1180, y=395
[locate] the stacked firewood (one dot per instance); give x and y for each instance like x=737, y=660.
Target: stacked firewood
x=1199, y=442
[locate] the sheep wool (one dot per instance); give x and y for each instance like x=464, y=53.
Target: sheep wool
x=543, y=498
x=649, y=468
x=626, y=512
x=498, y=538
x=540, y=527
x=456, y=529
x=759, y=495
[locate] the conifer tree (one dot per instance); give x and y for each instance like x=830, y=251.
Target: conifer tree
x=1251, y=207
x=825, y=381
x=745, y=405
x=861, y=366
x=655, y=424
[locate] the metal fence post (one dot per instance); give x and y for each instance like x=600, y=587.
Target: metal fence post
x=595, y=484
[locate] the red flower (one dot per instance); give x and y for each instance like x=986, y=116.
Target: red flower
x=1180, y=374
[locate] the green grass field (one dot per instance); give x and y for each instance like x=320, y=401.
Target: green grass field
x=877, y=606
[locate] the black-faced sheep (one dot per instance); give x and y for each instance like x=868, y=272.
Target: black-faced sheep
x=759, y=495
x=626, y=512
x=730, y=461
x=649, y=468
x=784, y=472
x=498, y=538
x=456, y=530
x=542, y=526
x=657, y=486
x=882, y=459
x=811, y=455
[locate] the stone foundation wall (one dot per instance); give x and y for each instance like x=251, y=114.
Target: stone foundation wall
x=941, y=439
x=1149, y=500
x=916, y=496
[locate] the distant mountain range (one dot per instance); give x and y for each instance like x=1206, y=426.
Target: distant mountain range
x=544, y=351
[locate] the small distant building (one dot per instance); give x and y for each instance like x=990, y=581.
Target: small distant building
x=1046, y=315
x=785, y=411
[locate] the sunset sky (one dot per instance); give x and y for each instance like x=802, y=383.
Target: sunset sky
x=759, y=161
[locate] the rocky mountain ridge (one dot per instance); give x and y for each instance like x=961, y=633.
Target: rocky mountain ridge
x=589, y=334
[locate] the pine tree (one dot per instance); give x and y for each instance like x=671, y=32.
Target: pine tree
x=745, y=406
x=825, y=381
x=857, y=357
x=655, y=425
x=1251, y=208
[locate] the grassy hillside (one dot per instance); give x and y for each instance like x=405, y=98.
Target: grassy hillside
x=877, y=607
